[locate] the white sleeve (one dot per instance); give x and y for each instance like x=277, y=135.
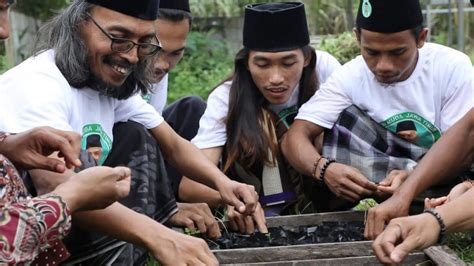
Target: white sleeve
x=329, y=101
x=137, y=109
x=325, y=65
x=32, y=99
x=459, y=90
x=212, y=129
x=159, y=95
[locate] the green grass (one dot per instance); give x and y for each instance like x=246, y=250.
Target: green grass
x=463, y=245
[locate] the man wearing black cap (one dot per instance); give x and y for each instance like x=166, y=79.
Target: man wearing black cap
x=90, y=65
x=249, y=113
x=398, y=77
x=30, y=224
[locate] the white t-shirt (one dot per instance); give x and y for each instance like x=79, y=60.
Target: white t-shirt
x=35, y=93
x=212, y=132
x=157, y=98
x=437, y=94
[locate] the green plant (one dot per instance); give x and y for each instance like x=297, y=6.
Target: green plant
x=206, y=62
x=41, y=10
x=344, y=47
x=463, y=245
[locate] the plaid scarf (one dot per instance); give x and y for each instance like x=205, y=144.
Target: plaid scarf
x=362, y=143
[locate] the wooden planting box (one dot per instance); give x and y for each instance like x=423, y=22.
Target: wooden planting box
x=345, y=253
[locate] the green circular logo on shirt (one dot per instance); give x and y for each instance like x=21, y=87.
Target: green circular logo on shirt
x=366, y=9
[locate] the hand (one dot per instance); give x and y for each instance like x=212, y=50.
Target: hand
x=30, y=149
x=381, y=214
x=174, y=248
x=246, y=223
x=348, y=183
x=394, y=180
x=433, y=203
x=459, y=189
x=242, y=196
x=404, y=235
x=95, y=188
x=192, y=215
x=455, y=192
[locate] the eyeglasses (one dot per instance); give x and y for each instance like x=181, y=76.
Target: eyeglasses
x=122, y=45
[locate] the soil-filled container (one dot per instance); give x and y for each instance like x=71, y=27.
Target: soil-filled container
x=340, y=252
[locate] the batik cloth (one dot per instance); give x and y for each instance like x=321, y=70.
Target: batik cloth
x=30, y=229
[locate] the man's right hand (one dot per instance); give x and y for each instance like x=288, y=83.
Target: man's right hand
x=381, y=215
x=174, y=248
x=348, y=183
x=196, y=215
x=30, y=149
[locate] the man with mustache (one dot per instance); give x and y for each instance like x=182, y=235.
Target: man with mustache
x=90, y=64
x=30, y=225
x=398, y=77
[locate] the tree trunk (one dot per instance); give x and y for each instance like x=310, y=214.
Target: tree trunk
x=349, y=15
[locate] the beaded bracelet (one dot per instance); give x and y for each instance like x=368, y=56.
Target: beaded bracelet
x=316, y=166
x=325, y=167
x=442, y=231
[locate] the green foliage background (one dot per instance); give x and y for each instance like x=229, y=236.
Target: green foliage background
x=40, y=9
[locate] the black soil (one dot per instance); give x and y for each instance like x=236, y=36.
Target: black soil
x=327, y=232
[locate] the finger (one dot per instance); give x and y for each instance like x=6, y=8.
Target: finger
x=397, y=182
x=207, y=257
x=198, y=221
x=68, y=144
x=375, y=224
x=349, y=192
x=240, y=223
x=123, y=188
x=122, y=172
x=379, y=251
x=389, y=237
x=388, y=180
x=51, y=164
x=363, y=182
x=427, y=203
x=249, y=197
x=386, y=189
x=213, y=229
x=402, y=250
x=259, y=218
x=249, y=225
x=233, y=224
x=439, y=201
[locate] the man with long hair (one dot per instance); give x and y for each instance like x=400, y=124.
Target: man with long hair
x=30, y=225
x=92, y=62
x=248, y=114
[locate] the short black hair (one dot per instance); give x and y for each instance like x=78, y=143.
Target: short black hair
x=175, y=15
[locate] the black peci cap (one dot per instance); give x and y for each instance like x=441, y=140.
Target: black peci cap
x=93, y=141
x=406, y=125
x=143, y=9
x=275, y=27
x=389, y=16
x=175, y=4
